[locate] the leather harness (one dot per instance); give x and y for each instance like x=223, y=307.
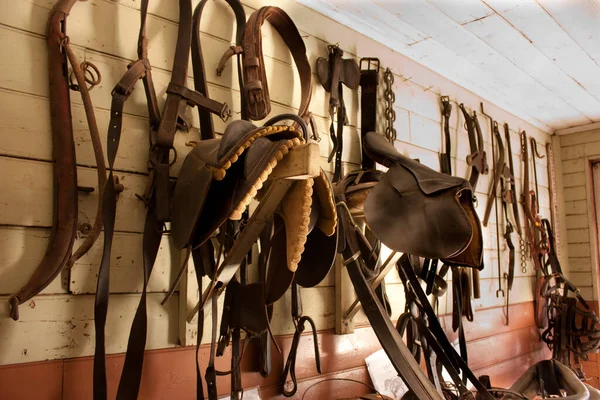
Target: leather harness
x=64, y=226
x=207, y=208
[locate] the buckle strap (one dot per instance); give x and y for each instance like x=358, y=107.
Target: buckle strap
x=230, y=52
x=194, y=98
x=136, y=70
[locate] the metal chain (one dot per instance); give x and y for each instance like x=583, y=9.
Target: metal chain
x=390, y=99
x=523, y=251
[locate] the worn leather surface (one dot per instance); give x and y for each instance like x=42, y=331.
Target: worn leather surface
x=64, y=226
x=555, y=376
x=256, y=89
x=200, y=202
x=416, y=210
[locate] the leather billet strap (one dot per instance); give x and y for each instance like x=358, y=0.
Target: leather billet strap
x=369, y=81
x=64, y=226
x=501, y=174
x=446, y=156
x=435, y=335
x=256, y=89
x=477, y=159
x=132, y=371
x=533, y=223
x=300, y=322
x=391, y=341
x=177, y=97
x=206, y=125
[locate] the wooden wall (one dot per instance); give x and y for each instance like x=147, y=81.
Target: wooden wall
x=577, y=152
x=105, y=33
x=170, y=374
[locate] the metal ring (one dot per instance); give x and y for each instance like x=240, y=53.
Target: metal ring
x=152, y=156
x=92, y=73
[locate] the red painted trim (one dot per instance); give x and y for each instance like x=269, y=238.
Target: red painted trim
x=170, y=373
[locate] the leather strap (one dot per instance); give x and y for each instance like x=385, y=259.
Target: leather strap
x=388, y=336
x=64, y=225
x=256, y=89
x=446, y=156
x=477, y=159
x=122, y=90
x=200, y=84
x=436, y=336
x=369, y=81
x=300, y=324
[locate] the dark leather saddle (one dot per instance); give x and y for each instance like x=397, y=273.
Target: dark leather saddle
x=550, y=378
x=414, y=209
x=220, y=177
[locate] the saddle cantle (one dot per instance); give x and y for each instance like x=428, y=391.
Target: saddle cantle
x=414, y=209
x=552, y=378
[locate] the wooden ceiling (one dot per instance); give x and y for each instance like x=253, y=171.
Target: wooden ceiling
x=538, y=59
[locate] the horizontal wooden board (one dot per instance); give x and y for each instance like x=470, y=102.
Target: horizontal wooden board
x=67, y=325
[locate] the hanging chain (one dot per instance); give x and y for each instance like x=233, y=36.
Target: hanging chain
x=524, y=254
x=390, y=99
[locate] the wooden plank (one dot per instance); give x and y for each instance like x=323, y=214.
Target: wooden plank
x=457, y=39
x=580, y=23
x=41, y=381
x=506, y=373
x=21, y=251
x=302, y=162
x=537, y=25
x=66, y=324
x=516, y=46
x=29, y=186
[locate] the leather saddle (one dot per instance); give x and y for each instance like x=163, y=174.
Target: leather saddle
x=550, y=378
x=414, y=209
x=220, y=177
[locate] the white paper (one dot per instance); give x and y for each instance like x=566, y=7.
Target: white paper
x=249, y=394
x=384, y=376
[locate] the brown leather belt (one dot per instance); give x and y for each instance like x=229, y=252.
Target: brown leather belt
x=64, y=227
x=256, y=88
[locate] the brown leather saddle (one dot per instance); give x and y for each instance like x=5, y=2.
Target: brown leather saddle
x=414, y=209
x=550, y=378
x=221, y=176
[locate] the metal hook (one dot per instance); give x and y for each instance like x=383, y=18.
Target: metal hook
x=534, y=148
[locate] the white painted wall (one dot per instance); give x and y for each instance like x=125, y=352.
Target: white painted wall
x=59, y=323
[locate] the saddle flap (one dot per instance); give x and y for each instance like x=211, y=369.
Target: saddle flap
x=248, y=311
x=408, y=221
x=324, y=73
x=191, y=191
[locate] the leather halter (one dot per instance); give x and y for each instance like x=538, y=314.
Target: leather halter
x=256, y=88
x=157, y=198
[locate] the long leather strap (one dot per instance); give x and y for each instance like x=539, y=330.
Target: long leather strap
x=58, y=254
x=446, y=156
x=200, y=84
x=388, y=336
x=256, y=89
x=369, y=81
x=436, y=336
x=136, y=71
